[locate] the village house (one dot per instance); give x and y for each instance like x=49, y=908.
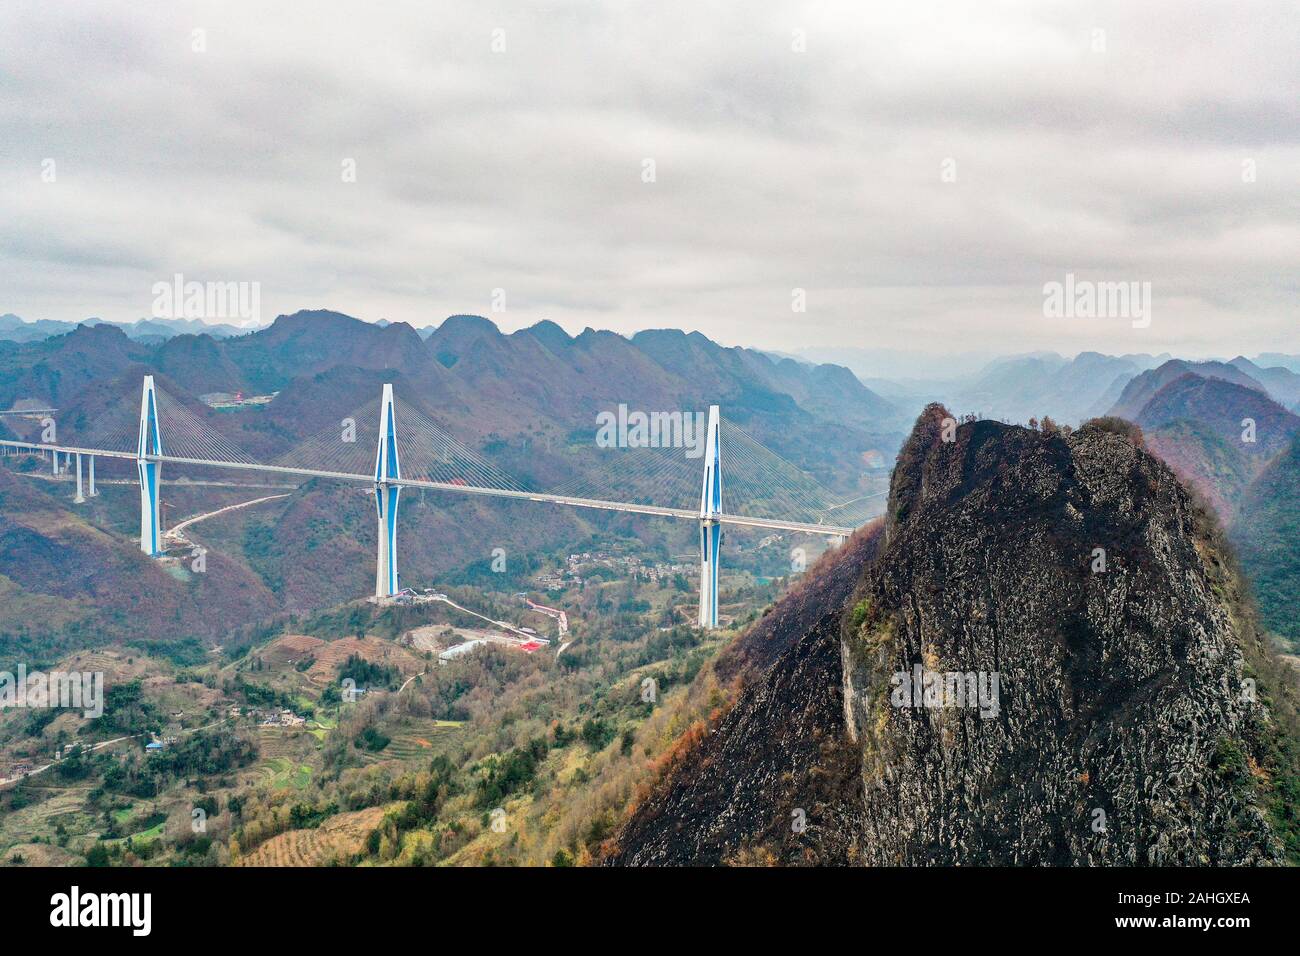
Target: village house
x=285, y=718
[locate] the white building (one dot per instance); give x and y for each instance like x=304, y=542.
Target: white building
x=460, y=650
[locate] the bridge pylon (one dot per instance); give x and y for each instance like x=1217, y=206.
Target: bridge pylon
x=710, y=527
x=149, y=444
x=387, y=467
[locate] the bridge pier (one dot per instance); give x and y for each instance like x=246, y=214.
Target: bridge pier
x=387, y=467
x=710, y=527
x=92, y=493
x=150, y=443
x=80, y=499
x=54, y=461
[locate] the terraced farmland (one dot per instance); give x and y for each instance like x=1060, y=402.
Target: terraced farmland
x=38, y=854
x=417, y=739
x=40, y=819
x=330, y=656
x=340, y=836
x=281, y=742
x=281, y=772
x=143, y=836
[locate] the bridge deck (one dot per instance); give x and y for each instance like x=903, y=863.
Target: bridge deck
x=686, y=513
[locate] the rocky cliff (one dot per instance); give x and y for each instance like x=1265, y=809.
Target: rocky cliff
x=1044, y=663
x=777, y=779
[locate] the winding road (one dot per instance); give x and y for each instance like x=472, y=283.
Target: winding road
x=176, y=532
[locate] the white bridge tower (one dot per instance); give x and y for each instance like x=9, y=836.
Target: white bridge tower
x=150, y=444
x=387, y=467
x=710, y=527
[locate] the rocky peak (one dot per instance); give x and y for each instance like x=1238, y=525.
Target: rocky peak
x=1042, y=664
x=1064, y=574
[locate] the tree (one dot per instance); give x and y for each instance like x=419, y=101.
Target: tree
x=97, y=855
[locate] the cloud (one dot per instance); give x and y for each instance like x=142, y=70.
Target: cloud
x=1117, y=156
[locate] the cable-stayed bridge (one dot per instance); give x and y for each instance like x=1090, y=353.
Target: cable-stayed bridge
x=762, y=490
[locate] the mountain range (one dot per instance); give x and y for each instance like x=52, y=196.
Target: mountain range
x=1018, y=388
x=529, y=401
x=537, y=383
x=15, y=329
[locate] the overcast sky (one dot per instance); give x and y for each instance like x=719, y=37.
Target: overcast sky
x=795, y=146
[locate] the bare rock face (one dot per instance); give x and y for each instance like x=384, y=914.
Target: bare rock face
x=775, y=775
x=777, y=780
x=1069, y=569
x=1069, y=588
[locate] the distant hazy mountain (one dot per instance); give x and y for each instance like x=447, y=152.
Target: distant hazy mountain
x=1282, y=383
x=1020, y=387
x=1067, y=390
x=1223, y=406
x=1195, y=424
x=1017, y=388
x=1240, y=450
x=898, y=363
x=1272, y=359
x=1143, y=387
x=15, y=329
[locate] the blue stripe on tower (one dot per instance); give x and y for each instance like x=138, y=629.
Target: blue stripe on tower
x=387, y=468
x=149, y=443
x=710, y=530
